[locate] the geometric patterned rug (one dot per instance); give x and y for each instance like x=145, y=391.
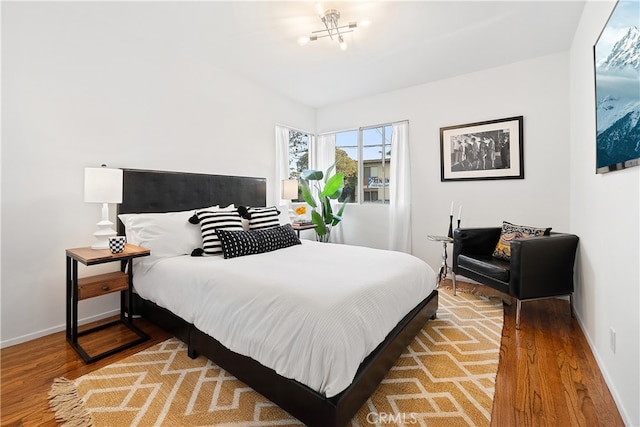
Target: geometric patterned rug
x=445, y=377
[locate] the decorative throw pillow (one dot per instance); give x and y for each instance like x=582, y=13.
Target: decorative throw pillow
x=278, y=237
x=260, y=218
x=236, y=243
x=212, y=220
x=194, y=218
x=513, y=231
x=239, y=243
x=165, y=234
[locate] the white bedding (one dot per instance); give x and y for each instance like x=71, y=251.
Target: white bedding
x=311, y=312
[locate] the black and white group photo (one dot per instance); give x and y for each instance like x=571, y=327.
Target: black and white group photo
x=480, y=151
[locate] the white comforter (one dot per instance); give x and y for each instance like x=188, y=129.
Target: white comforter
x=311, y=312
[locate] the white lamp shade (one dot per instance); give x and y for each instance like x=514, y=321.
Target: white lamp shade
x=102, y=185
x=289, y=189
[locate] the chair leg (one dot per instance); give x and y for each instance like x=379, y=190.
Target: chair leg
x=453, y=280
x=518, y=308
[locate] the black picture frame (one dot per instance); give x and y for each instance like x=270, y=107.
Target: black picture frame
x=486, y=150
x=617, y=90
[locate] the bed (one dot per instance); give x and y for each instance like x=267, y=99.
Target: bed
x=317, y=395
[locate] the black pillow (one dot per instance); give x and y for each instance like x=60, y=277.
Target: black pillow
x=279, y=237
x=240, y=243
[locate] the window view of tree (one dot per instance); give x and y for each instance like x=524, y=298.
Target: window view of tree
x=347, y=164
x=298, y=155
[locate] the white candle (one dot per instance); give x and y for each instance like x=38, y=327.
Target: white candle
x=459, y=212
x=451, y=212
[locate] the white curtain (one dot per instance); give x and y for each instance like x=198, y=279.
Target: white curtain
x=400, y=190
x=282, y=163
x=322, y=152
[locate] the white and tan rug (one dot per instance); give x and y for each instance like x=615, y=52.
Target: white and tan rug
x=446, y=377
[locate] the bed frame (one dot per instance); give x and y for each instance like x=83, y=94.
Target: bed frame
x=147, y=191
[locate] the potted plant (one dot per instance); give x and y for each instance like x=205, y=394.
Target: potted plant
x=322, y=214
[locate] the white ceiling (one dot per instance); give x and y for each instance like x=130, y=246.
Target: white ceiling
x=407, y=43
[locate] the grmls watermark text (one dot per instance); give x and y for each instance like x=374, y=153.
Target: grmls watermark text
x=395, y=419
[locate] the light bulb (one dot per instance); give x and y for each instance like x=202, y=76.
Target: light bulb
x=303, y=40
x=364, y=23
x=319, y=10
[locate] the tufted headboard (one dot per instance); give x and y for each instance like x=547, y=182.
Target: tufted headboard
x=145, y=191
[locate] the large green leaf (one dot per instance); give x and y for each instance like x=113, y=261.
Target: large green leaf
x=338, y=216
x=335, y=183
x=316, y=218
x=311, y=175
x=306, y=194
x=327, y=210
x=328, y=172
x=337, y=194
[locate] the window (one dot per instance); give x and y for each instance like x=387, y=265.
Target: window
x=347, y=163
x=364, y=157
x=298, y=155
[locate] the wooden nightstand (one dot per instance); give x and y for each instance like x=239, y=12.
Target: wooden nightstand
x=302, y=226
x=102, y=284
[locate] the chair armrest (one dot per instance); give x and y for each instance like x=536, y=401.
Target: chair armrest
x=474, y=241
x=543, y=266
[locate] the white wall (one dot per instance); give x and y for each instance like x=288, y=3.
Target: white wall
x=79, y=92
x=537, y=89
x=604, y=212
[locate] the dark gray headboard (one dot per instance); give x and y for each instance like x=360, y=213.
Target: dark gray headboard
x=145, y=191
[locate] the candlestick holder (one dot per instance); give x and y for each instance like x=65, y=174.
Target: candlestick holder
x=450, y=227
x=458, y=223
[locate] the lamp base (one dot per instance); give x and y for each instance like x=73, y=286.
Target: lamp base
x=104, y=232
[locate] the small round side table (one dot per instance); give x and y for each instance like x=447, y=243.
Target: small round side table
x=444, y=267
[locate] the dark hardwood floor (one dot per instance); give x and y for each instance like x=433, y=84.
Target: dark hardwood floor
x=547, y=374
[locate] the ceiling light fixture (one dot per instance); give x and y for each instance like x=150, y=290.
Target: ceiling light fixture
x=331, y=28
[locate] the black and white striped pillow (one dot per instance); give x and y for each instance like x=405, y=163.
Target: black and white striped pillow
x=261, y=218
x=212, y=220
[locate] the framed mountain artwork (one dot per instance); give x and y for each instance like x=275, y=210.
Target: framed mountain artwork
x=617, y=75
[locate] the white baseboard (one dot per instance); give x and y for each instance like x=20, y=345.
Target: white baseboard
x=58, y=328
x=603, y=371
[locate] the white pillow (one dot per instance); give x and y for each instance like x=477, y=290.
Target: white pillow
x=165, y=234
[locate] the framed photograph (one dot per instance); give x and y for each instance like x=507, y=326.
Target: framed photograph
x=483, y=150
x=617, y=79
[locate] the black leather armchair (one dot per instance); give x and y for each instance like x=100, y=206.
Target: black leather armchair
x=540, y=267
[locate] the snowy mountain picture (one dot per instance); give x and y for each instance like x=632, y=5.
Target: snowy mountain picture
x=617, y=69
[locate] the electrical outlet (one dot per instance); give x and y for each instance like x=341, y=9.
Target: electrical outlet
x=612, y=339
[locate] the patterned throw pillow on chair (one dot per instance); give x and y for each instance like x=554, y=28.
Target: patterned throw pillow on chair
x=513, y=231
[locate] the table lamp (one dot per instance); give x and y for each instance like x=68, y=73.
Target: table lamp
x=289, y=193
x=103, y=185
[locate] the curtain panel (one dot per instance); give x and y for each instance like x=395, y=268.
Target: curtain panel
x=400, y=190
x=282, y=163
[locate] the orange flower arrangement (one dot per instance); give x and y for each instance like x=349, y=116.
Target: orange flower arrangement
x=301, y=210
